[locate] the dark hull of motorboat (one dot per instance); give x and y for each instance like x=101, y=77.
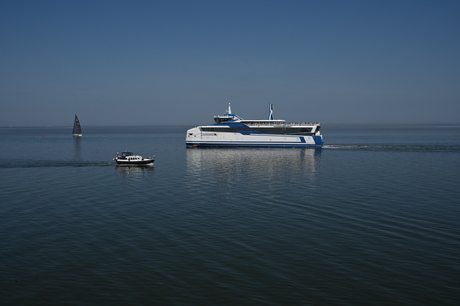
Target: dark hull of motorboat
x=144, y=162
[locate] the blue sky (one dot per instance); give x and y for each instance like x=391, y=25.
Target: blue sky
x=182, y=62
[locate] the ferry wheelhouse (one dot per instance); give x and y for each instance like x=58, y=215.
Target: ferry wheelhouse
x=230, y=130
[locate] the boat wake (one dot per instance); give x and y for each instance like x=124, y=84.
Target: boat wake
x=41, y=164
x=396, y=147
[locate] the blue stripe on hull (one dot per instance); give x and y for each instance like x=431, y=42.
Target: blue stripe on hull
x=296, y=142
x=318, y=140
x=274, y=145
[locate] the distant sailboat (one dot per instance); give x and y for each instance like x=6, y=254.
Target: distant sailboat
x=76, y=128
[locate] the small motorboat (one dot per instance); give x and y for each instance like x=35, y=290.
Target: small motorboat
x=128, y=158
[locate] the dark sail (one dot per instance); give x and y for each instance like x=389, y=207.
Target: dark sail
x=76, y=127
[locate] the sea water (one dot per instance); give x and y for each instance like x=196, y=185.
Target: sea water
x=372, y=218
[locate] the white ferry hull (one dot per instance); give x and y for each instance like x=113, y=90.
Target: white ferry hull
x=197, y=138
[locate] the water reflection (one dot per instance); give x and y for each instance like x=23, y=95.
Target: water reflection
x=133, y=171
x=77, y=147
x=230, y=164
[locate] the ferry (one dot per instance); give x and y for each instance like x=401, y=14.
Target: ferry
x=230, y=130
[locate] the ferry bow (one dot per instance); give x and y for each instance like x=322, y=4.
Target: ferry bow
x=230, y=130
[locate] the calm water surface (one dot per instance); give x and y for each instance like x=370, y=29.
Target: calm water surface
x=374, y=217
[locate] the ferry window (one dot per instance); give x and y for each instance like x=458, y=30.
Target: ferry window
x=190, y=134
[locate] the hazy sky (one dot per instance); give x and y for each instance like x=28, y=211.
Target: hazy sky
x=182, y=62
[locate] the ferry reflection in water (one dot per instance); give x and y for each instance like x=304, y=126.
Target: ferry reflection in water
x=248, y=167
